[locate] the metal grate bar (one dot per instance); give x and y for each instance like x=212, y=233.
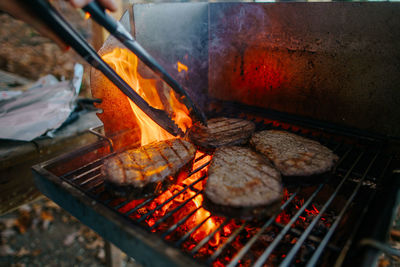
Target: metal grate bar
x=90, y=179
x=283, y=232
x=227, y=242
x=169, y=214
x=181, y=221
x=201, y=157
x=97, y=168
x=89, y=166
x=248, y=245
x=170, y=199
x=296, y=247
x=311, y=237
x=346, y=247
x=89, y=185
x=324, y=242
x=186, y=236
x=120, y=205
x=199, y=168
x=277, y=239
x=140, y=206
x=208, y=238
x=108, y=201
x=186, y=187
x=96, y=187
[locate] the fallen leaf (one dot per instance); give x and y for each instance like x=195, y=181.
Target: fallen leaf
x=70, y=239
x=52, y=205
x=25, y=208
x=7, y=233
x=6, y=250
x=23, y=222
x=46, y=216
x=36, y=252
x=35, y=223
x=64, y=219
x=101, y=255
x=98, y=243
x=45, y=225
x=22, y=252
x=37, y=208
x=383, y=263
x=9, y=222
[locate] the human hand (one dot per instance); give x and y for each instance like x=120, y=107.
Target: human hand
x=108, y=4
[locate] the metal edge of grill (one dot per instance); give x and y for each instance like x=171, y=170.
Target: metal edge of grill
x=117, y=229
x=141, y=243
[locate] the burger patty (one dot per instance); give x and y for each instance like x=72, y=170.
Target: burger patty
x=148, y=164
x=238, y=178
x=221, y=132
x=293, y=155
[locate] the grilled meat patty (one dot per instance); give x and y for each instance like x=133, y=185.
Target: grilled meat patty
x=148, y=164
x=242, y=183
x=221, y=132
x=293, y=155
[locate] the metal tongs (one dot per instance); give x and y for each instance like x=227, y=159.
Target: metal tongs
x=65, y=31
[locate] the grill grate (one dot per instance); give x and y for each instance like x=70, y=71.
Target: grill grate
x=291, y=237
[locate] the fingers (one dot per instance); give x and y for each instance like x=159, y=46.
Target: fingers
x=79, y=3
x=108, y=4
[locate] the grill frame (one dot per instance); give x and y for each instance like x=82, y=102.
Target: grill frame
x=148, y=247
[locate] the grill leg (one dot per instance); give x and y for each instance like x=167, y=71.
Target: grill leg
x=113, y=255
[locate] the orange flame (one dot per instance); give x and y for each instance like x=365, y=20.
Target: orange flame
x=87, y=15
x=210, y=225
x=125, y=64
x=182, y=67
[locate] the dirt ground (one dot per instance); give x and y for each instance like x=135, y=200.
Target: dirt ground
x=23, y=51
x=43, y=234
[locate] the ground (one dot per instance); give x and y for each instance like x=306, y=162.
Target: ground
x=23, y=51
x=42, y=233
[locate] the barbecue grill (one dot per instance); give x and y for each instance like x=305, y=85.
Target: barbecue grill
x=341, y=217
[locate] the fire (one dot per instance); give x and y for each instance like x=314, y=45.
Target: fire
x=182, y=67
x=210, y=225
x=87, y=15
x=125, y=64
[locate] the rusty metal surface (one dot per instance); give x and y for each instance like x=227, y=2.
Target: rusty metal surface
x=334, y=62
x=337, y=62
x=173, y=32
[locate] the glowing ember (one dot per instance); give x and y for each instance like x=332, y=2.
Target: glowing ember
x=125, y=64
x=87, y=15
